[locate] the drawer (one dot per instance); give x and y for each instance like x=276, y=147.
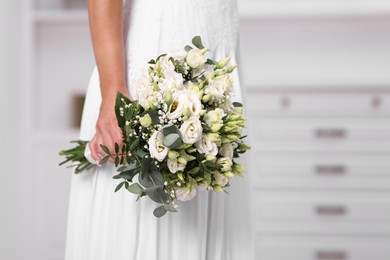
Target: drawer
x=320, y=134
x=322, y=248
x=335, y=206
x=328, y=104
x=324, y=171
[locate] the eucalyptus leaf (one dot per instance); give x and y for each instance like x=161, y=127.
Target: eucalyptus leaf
x=135, y=188
x=170, y=208
x=159, y=211
x=188, y=48
x=170, y=129
x=157, y=194
x=197, y=42
x=173, y=141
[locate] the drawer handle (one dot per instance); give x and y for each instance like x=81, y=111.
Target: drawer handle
x=330, y=169
x=331, y=210
x=331, y=255
x=331, y=133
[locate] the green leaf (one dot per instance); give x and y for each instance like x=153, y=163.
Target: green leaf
x=210, y=62
x=105, y=149
x=135, y=188
x=197, y=42
x=140, y=153
x=157, y=194
x=188, y=48
x=119, y=186
x=135, y=144
x=119, y=103
x=116, y=160
x=151, y=179
x=127, y=175
x=154, y=116
x=159, y=211
x=170, y=129
x=237, y=104
x=152, y=62
x=104, y=160
x=162, y=55
x=173, y=141
x=170, y=208
x=116, y=148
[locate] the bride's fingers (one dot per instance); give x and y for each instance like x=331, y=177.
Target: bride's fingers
x=109, y=143
x=94, y=149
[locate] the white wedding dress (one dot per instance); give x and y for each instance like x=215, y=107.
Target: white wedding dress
x=104, y=225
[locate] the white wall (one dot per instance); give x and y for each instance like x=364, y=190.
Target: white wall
x=10, y=176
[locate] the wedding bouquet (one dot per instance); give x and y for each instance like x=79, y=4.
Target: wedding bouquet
x=182, y=132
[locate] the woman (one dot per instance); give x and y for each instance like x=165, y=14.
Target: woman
x=104, y=225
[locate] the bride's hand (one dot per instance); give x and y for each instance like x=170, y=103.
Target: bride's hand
x=107, y=130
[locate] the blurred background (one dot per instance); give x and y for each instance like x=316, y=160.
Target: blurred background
x=317, y=78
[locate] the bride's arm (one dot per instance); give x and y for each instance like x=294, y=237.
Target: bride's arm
x=105, y=20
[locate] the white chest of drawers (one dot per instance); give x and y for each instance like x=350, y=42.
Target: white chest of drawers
x=321, y=170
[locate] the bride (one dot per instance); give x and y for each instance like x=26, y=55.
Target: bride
x=103, y=225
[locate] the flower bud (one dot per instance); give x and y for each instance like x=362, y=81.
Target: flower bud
x=203, y=51
x=173, y=154
x=229, y=174
x=206, y=98
x=146, y=120
x=238, y=169
x=168, y=98
x=217, y=188
x=202, y=112
x=216, y=127
x=243, y=147
x=231, y=68
x=221, y=64
x=182, y=160
x=211, y=158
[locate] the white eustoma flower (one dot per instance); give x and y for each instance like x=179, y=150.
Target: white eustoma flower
x=185, y=193
x=194, y=103
x=172, y=80
x=227, y=150
x=175, y=110
x=195, y=58
x=174, y=165
x=147, y=96
x=206, y=146
x=156, y=146
x=221, y=179
x=191, y=130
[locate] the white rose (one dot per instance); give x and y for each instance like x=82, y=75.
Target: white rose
x=185, y=193
x=220, y=179
x=156, y=146
x=195, y=58
x=206, y=146
x=175, y=166
x=191, y=130
x=227, y=150
x=225, y=164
